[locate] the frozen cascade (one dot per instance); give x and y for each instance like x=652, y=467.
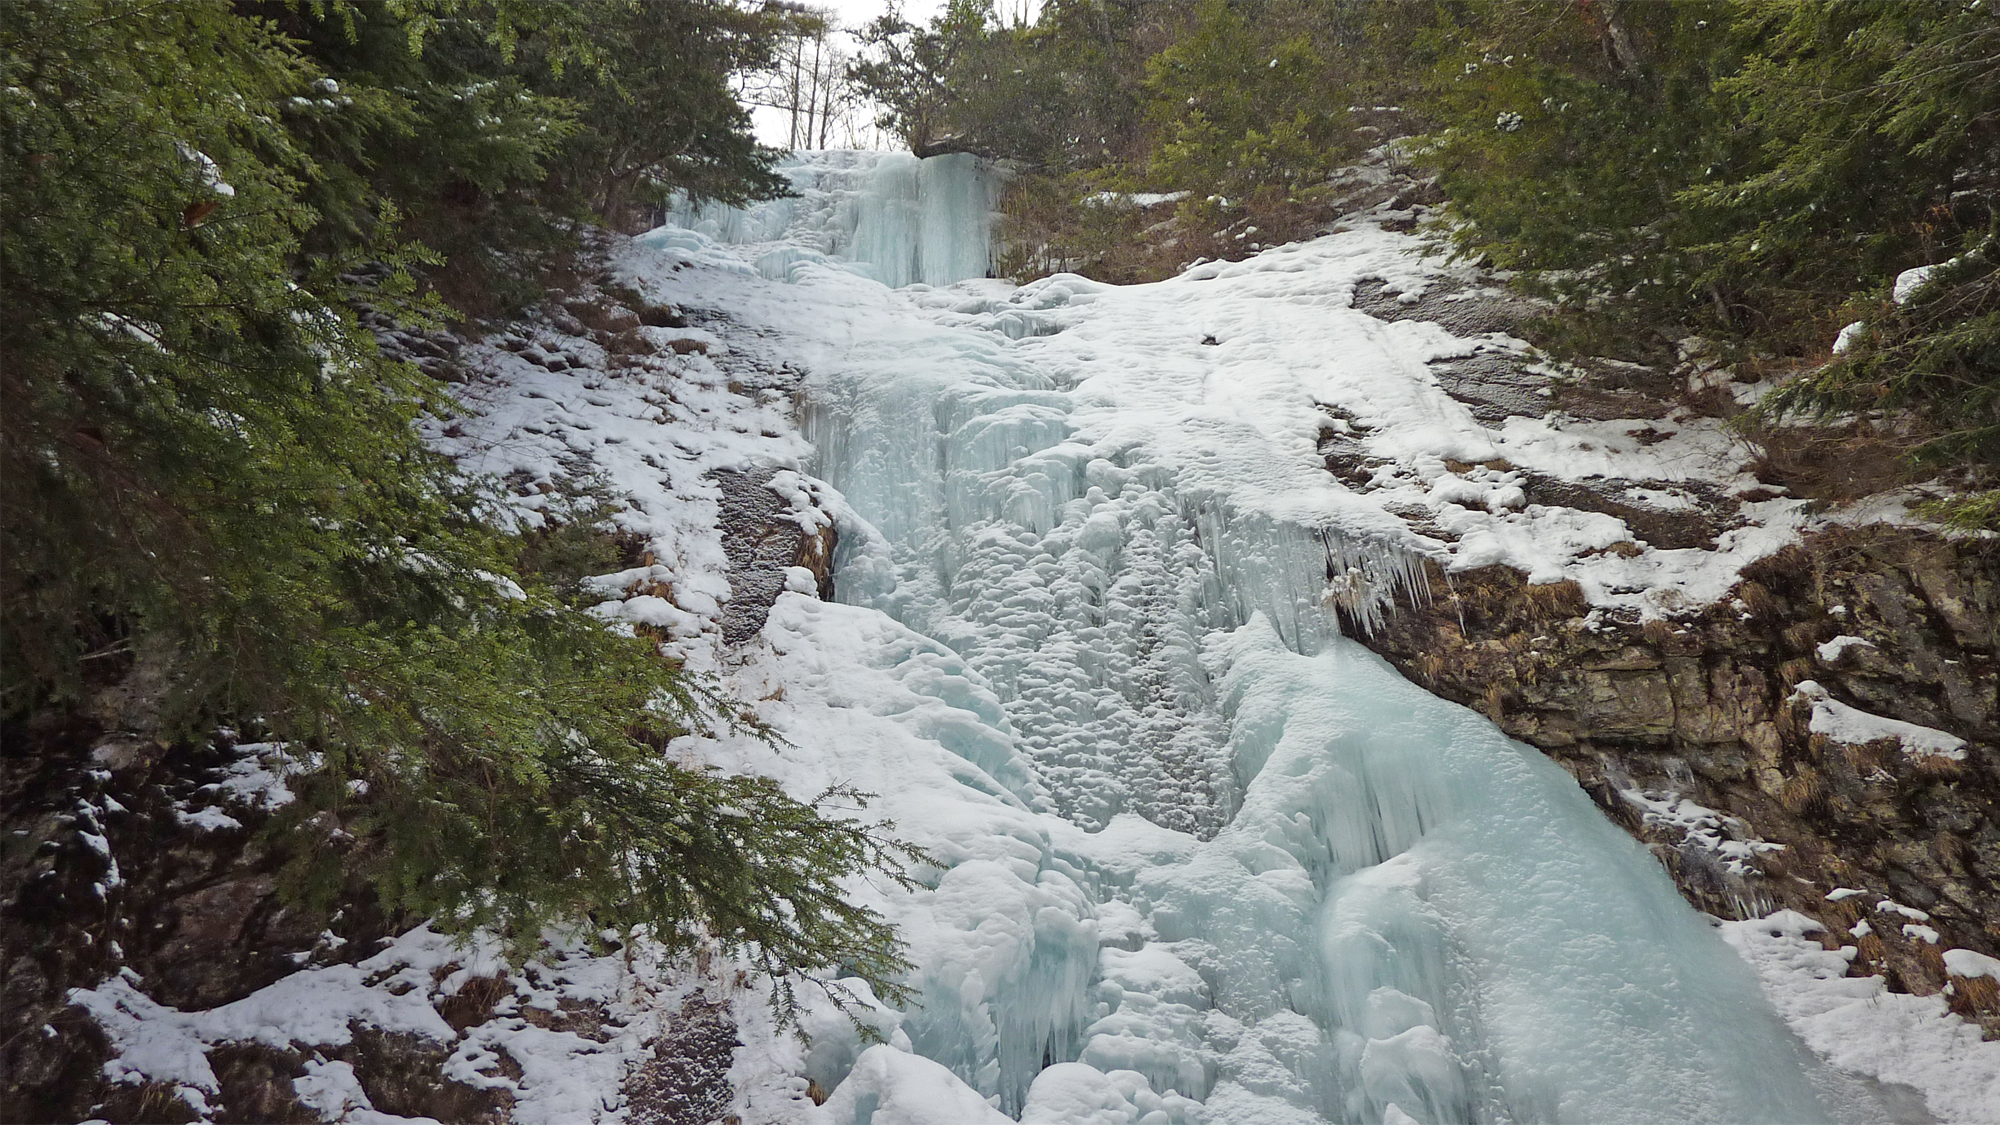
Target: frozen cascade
x=1230, y=867
x=1395, y=905
x=886, y=215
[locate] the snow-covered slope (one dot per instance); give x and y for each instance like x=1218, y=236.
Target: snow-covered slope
x=1200, y=857
x=1208, y=842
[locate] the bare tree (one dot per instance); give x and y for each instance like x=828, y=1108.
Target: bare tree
x=808, y=82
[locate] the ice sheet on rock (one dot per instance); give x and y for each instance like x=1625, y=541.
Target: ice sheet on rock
x=1444, y=871
x=888, y=215
x=1393, y=905
x=1005, y=943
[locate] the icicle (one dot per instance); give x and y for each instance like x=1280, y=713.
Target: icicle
x=896, y=218
x=1306, y=580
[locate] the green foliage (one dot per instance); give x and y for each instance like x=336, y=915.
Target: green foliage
x=1051, y=96
x=489, y=126
x=451, y=140
x=1567, y=133
x=1240, y=108
x=1742, y=170
x=660, y=115
x=918, y=73
x=1239, y=100
x=205, y=454
x=1935, y=359
x=1061, y=223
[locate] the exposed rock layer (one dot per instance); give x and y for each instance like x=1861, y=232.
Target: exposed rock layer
x=1703, y=709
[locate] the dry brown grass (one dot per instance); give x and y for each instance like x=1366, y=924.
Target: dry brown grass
x=1952, y=852
x=1868, y=758
x=474, y=1002
x=1804, y=793
x=1762, y=603
x=1973, y=997
x=1832, y=464
x=1931, y=958
x=1936, y=767
x=1803, y=635
x=1552, y=601
x=1868, y=951
x=1782, y=569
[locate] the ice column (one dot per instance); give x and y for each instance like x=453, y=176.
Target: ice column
x=889, y=215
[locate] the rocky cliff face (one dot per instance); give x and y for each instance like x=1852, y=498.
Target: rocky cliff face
x=1704, y=734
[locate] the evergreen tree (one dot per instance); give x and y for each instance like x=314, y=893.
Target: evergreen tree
x=1744, y=170
x=1567, y=133
x=1881, y=131
x=209, y=466
x=1242, y=108
x=917, y=74
x=658, y=113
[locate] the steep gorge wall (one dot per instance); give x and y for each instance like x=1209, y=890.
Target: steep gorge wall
x=1691, y=732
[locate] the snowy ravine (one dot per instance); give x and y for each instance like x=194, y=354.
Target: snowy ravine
x=1196, y=841
x=1202, y=858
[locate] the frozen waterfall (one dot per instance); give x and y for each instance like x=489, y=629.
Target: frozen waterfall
x=1202, y=858
x=886, y=215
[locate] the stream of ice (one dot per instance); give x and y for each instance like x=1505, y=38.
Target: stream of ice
x=1201, y=857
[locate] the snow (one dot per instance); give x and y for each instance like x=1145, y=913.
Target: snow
x=1858, y=1024
x=1970, y=963
x=1135, y=198
x=254, y=779
x=1199, y=853
x=1831, y=651
x=1844, y=342
x=1701, y=827
x=1890, y=905
x=332, y=1090
x=1855, y=727
x=891, y=1087
x=207, y=169
x=1909, y=281
x=564, y=1077
x=1077, y=497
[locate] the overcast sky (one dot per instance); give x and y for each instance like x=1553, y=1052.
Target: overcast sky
x=772, y=125
x=854, y=13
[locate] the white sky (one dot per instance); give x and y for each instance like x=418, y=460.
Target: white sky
x=854, y=13
x=851, y=14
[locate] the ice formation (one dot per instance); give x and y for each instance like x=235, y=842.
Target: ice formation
x=1204, y=857
x=1200, y=858
x=885, y=215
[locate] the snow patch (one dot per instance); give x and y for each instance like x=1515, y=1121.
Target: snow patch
x=1858, y=1024
x=1855, y=727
